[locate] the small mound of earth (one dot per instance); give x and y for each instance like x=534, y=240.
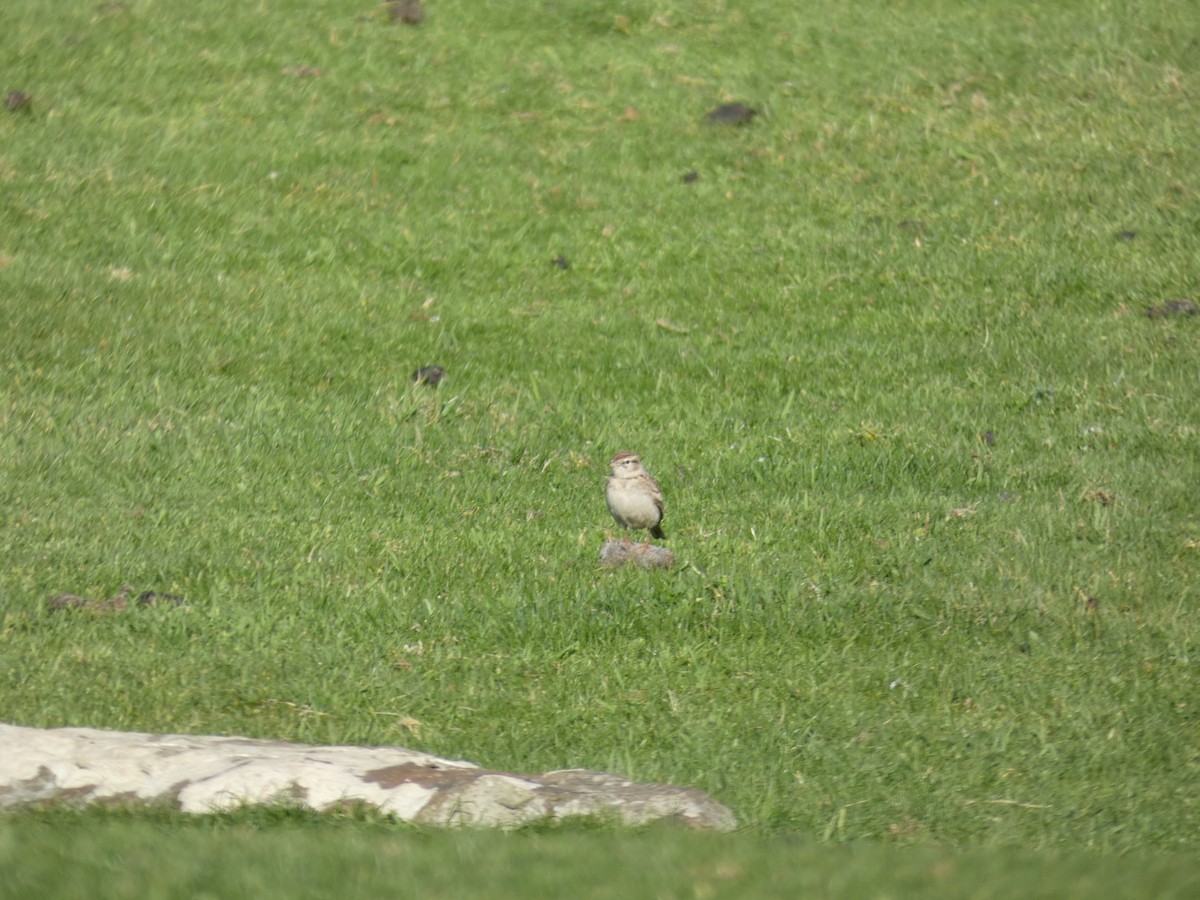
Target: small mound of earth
x=644, y=556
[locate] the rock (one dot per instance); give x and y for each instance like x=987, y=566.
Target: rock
x=646, y=556
x=203, y=774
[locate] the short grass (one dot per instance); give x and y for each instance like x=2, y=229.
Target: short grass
x=931, y=473
x=296, y=855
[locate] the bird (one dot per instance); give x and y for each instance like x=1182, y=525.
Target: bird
x=634, y=498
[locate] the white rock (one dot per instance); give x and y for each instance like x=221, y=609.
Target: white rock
x=201, y=774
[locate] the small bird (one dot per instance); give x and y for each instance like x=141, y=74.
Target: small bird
x=634, y=498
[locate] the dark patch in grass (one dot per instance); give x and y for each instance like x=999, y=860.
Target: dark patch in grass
x=731, y=114
x=429, y=375
x=18, y=101
x=1171, y=309
x=406, y=13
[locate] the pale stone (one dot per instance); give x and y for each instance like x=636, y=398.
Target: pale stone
x=643, y=555
x=200, y=774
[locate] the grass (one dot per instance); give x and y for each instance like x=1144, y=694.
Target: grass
x=930, y=472
x=278, y=854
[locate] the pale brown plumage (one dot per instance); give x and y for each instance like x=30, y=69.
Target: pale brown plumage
x=634, y=498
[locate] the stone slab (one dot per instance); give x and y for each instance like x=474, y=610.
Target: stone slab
x=204, y=774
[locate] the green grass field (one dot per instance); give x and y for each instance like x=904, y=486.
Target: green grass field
x=931, y=472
